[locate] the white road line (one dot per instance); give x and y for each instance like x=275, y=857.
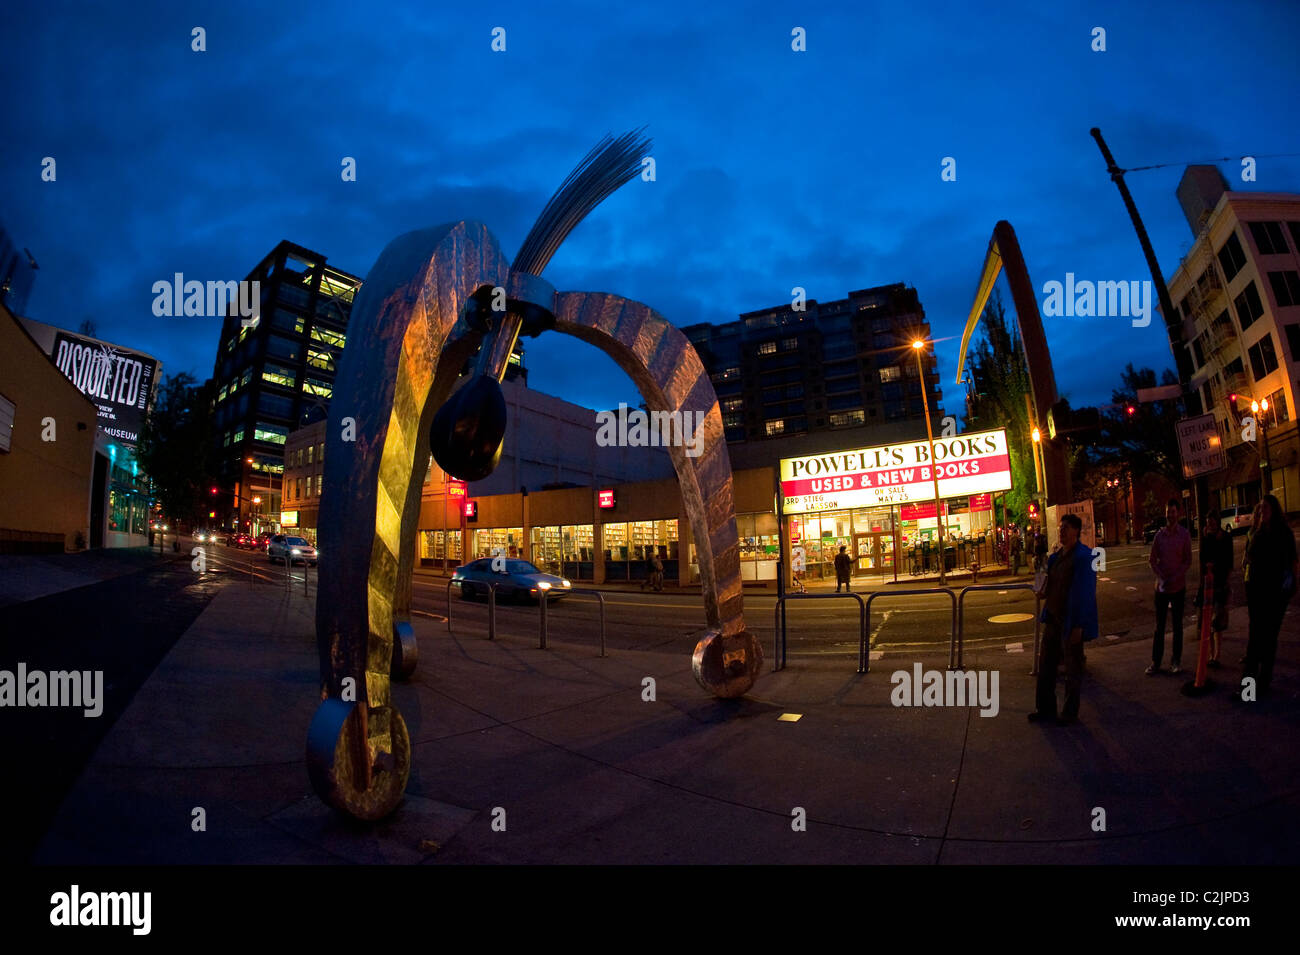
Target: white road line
x=1015, y=648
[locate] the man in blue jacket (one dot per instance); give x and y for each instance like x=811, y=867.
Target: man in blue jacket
x=1069, y=617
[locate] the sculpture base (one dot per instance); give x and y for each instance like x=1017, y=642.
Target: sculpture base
x=727, y=666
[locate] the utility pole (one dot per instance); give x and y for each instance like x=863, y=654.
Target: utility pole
x=1173, y=322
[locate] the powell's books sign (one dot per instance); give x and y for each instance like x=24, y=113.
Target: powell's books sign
x=118, y=381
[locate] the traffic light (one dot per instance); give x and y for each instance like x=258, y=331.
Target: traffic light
x=213, y=491
x=1131, y=410
x=212, y=514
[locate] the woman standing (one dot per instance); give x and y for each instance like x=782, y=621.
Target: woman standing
x=1270, y=574
x=1216, y=553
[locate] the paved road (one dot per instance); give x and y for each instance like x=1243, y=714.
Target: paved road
x=996, y=622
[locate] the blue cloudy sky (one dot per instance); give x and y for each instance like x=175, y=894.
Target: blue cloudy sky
x=775, y=168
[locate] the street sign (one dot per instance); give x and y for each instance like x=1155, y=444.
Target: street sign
x=1200, y=446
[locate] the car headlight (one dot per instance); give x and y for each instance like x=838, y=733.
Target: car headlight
x=565, y=583
x=295, y=551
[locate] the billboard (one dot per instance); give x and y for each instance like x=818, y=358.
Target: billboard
x=119, y=381
x=967, y=464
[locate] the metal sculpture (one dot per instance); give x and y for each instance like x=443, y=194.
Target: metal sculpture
x=432, y=300
x=1004, y=247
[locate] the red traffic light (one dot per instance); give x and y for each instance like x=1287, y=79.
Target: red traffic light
x=1232, y=397
x=1131, y=410
x=212, y=490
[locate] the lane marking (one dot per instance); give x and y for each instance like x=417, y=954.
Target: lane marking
x=1015, y=648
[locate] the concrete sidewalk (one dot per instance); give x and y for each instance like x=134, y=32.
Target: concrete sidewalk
x=26, y=577
x=586, y=771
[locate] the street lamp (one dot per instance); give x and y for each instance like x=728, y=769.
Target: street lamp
x=1255, y=408
x=917, y=345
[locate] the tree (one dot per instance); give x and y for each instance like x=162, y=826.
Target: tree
x=1000, y=375
x=175, y=448
x=87, y=328
x=1143, y=435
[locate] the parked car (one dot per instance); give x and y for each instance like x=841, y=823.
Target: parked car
x=518, y=579
x=261, y=541
x=295, y=548
x=1236, y=520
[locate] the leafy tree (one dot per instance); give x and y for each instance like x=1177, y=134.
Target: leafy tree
x=1000, y=376
x=175, y=448
x=1145, y=439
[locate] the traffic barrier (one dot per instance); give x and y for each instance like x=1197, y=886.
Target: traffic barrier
x=864, y=655
x=955, y=648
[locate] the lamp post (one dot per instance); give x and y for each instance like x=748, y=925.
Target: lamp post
x=1255, y=408
x=934, y=465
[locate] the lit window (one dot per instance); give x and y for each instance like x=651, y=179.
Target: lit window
x=269, y=433
x=311, y=454
x=890, y=373
x=776, y=427
x=329, y=336
x=767, y=348
x=309, y=485
x=314, y=386
x=279, y=375
x=320, y=359
x=847, y=418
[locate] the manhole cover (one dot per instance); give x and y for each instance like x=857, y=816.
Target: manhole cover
x=1011, y=618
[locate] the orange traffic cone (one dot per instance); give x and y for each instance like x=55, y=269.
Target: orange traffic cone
x=1203, y=684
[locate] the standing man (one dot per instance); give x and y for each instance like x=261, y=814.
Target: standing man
x=843, y=568
x=1171, y=558
x=1070, y=614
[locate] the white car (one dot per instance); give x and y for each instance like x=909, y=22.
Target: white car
x=1236, y=520
x=294, y=548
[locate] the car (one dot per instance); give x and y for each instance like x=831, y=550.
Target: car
x=240, y=541
x=1236, y=520
x=261, y=541
x=518, y=579
x=205, y=536
x=294, y=548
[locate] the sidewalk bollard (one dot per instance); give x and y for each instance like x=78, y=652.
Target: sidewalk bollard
x=1202, y=684
x=541, y=602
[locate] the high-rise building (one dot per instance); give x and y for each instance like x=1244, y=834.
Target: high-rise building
x=271, y=373
x=831, y=366
x=1237, y=292
x=17, y=274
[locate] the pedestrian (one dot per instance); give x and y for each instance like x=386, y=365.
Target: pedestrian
x=1014, y=543
x=657, y=572
x=1270, y=570
x=1040, y=548
x=1216, y=560
x=843, y=568
x=1069, y=596
x=1171, y=558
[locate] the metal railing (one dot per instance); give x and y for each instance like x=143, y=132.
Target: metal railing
x=864, y=654
x=601, y=598
x=492, y=607
x=955, y=647
x=779, y=621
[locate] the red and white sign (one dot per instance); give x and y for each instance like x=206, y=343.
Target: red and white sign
x=967, y=464
x=916, y=512
x=471, y=508
x=605, y=499
x=981, y=502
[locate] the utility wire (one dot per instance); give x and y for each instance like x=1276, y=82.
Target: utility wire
x=1206, y=162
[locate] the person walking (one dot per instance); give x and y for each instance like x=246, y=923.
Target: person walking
x=654, y=573
x=1270, y=570
x=1040, y=548
x=1070, y=616
x=843, y=568
x=1171, y=558
x=1015, y=551
x=1216, y=559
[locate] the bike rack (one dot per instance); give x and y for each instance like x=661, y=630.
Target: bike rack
x=779, y=621
x=600, y=597
x=955, y=648
x=492, y=609
x=864, y=655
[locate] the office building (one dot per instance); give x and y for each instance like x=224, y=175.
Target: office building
x=844, y=367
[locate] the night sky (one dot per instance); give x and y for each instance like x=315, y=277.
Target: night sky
x=775, y=169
